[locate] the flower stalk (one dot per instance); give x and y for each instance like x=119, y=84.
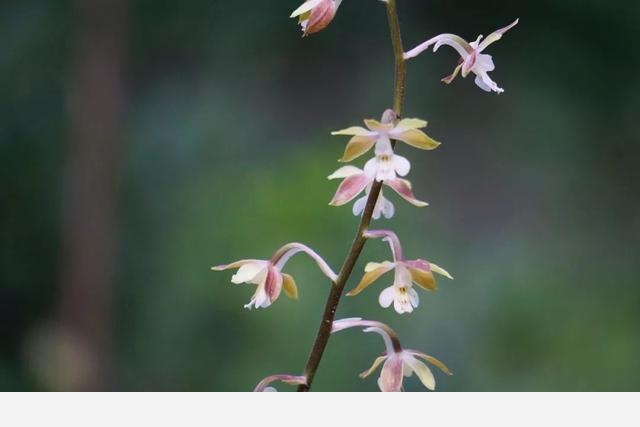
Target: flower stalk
x=384, y=168
x=337, y=288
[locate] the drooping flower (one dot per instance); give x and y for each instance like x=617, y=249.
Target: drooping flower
x=267, y=274
x=380, y=134
x=396, y=362
x=315, y=15
x=263, y=386
x=472, y=60
x=406, y=272
x=355, y=181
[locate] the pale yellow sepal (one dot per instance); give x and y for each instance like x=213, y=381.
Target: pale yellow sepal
x=375, y=265
x=289, y=286
x=417, y=138
x=376, y=126
x=304, y=8
x=357, y=146
x=353, y=130
x=423, y=372
x=411, y=124
x=373, y=367
x=435, y=362
x=441, y=271
x=370, y=277
x=424, y=279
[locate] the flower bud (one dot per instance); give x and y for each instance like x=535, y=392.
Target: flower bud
x=315, y=15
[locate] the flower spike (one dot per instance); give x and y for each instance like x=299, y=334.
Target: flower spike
x=406, y=273
x=263, y=386
x=396, y=362
x=471, y=57
x=267, y=274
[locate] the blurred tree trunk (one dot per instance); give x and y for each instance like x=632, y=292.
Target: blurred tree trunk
x=89, y=258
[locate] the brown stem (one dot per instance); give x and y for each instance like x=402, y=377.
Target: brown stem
x=324, y=331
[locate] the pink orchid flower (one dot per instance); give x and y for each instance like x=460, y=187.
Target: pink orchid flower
x=406, y=273
x=380, y=134
x=315, y=15
x=267, y=274
x=263, y=386
x=355, y=181
x=398, y=362
x=471, y=57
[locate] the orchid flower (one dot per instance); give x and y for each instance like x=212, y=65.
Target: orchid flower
x=398, y=362
x=267, y=274
x=406, y=273
x=355, y=181
x=471, y=57
x=263, y=386
x=315, y=15
x=380, y=134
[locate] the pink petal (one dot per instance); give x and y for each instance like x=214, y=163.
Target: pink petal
x=418, y=263
x=468, y=63
x=391, y=374
x=349, y=189
x=403, y=188
x=320, y=17
x=273, y=283
x=345, y=172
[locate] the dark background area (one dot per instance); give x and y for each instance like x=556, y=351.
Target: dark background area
x=143, y=141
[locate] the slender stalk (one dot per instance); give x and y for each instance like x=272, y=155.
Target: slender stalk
x=324, y=331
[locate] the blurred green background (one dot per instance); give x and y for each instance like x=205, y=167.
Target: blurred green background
x=219, y=149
